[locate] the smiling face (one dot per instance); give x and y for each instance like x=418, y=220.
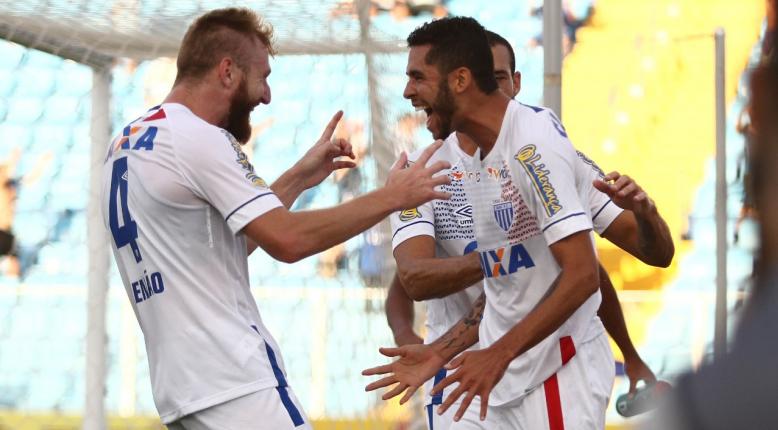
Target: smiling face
x=252, y=90
x=428, y=90
x=508, y=81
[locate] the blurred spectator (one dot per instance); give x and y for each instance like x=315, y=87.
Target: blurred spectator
x=8, y=192
x=350, y=184
x=743, y=173
x=575, y=14
x=739, y=391
x=407, y=132
x=398, y=9
x=10, y=185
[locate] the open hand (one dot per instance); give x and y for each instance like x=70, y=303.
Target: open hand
x=414, y=185
x=416, y=364
x=477, y=372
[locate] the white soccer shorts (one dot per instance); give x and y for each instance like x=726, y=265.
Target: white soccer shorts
x=268, y=409
x=574, y=398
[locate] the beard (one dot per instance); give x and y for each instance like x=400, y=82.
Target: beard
x=443, y=108
x=239, y=117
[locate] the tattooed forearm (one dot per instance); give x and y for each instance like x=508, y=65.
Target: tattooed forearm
x=655, y=242
x=477, y=313
x=465, y=332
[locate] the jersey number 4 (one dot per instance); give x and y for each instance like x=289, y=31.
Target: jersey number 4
x=126, y=234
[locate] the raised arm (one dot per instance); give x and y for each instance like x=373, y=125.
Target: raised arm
x=291, y=236
x=425, y=276
x=639, y=230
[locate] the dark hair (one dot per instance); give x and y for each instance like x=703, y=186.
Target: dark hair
x=458, y=42
x=219, y=33
x=495, y=39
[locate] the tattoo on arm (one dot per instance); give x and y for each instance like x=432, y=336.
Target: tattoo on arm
x=646, y=236
x=455, y=338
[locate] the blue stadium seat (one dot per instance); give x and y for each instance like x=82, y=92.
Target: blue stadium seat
x=61, y=109
x=24, y=111
x=11, y=55
x=34, y=82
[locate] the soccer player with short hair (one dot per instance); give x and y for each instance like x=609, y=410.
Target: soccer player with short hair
x=185, y=207
x=442, y=229
x=532, y=227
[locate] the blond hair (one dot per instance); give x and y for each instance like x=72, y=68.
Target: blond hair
x=219, y=33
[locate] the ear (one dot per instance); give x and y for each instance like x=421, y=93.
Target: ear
x=226, y=70
x=460, y=79
x=516, y=83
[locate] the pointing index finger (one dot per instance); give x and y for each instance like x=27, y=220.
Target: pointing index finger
x=425, y=156
x=330, y=129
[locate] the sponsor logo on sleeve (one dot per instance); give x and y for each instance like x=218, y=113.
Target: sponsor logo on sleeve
x=244, y=162
x=409, y=214
x=529, y=159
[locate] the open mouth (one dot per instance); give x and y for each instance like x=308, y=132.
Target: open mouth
x=428, y=110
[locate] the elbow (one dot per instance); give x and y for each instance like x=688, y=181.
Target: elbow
x=663, y=258
x=285, y=249
x=412, y=285
x=588, y=283
x=668, y=256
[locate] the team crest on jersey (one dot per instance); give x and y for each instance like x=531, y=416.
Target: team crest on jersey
x=409, y=214
x=529, y=159
x=503, y=214
x=244, y=162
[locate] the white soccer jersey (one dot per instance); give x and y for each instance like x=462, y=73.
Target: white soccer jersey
x=176, y=193
x=450, y=222
x=531, y=194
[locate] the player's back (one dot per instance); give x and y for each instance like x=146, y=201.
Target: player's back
x=175, y=214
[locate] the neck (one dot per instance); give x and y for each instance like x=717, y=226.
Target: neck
x=483, y=120
x=466, y=144
x=202, y=100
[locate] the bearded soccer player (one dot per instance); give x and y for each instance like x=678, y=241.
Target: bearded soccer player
x=185, y=207
x=425, y=236
x=532, y=225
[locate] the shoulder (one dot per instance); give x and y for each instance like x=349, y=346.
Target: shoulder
x=195, y=132
x=539, y=126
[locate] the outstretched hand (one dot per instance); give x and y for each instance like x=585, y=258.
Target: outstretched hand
x=625, y=193
x=477, y=372
x=416, y=364
x=415, y=184
x=324, y=156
